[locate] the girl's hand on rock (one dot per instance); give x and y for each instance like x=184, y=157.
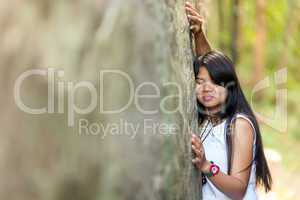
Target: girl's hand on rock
x=195, y=19
x=200, y=160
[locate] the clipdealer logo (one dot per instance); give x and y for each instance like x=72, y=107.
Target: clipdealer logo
x=69, y=88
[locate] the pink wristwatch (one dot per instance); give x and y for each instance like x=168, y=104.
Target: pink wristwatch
x=213, y=170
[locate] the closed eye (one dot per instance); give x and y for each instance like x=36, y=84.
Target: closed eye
x=199, y=81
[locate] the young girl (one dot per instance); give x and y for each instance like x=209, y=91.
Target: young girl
x=229, y=150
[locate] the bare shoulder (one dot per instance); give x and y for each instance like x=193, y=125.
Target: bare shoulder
x=243, y=129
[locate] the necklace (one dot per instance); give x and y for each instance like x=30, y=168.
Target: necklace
x=203, y=136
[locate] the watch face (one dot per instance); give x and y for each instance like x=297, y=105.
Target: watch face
x=214, y=169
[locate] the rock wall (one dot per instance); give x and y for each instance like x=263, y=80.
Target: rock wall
x=44, y=158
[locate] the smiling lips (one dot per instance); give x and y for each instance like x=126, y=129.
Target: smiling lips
x=207, y=98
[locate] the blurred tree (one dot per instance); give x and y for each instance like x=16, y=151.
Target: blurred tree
x=292, y=23
x=221, y=19
x=260, y=42
x=235, y=32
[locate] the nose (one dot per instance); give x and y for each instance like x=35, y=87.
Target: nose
x=207, y=87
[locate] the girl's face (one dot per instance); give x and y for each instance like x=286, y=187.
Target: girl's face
x=209, y=94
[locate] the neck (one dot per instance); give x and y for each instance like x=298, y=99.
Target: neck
x=212, y=114
x=213, y=111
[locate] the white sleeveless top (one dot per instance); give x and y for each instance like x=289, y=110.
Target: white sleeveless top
x=216, y=151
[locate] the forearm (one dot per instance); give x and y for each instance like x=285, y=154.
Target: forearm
x=201, y=44
x=229, y=185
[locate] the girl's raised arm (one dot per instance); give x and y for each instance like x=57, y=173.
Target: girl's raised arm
x=196, y=22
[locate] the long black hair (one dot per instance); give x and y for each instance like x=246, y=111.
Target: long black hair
x=222, y=72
